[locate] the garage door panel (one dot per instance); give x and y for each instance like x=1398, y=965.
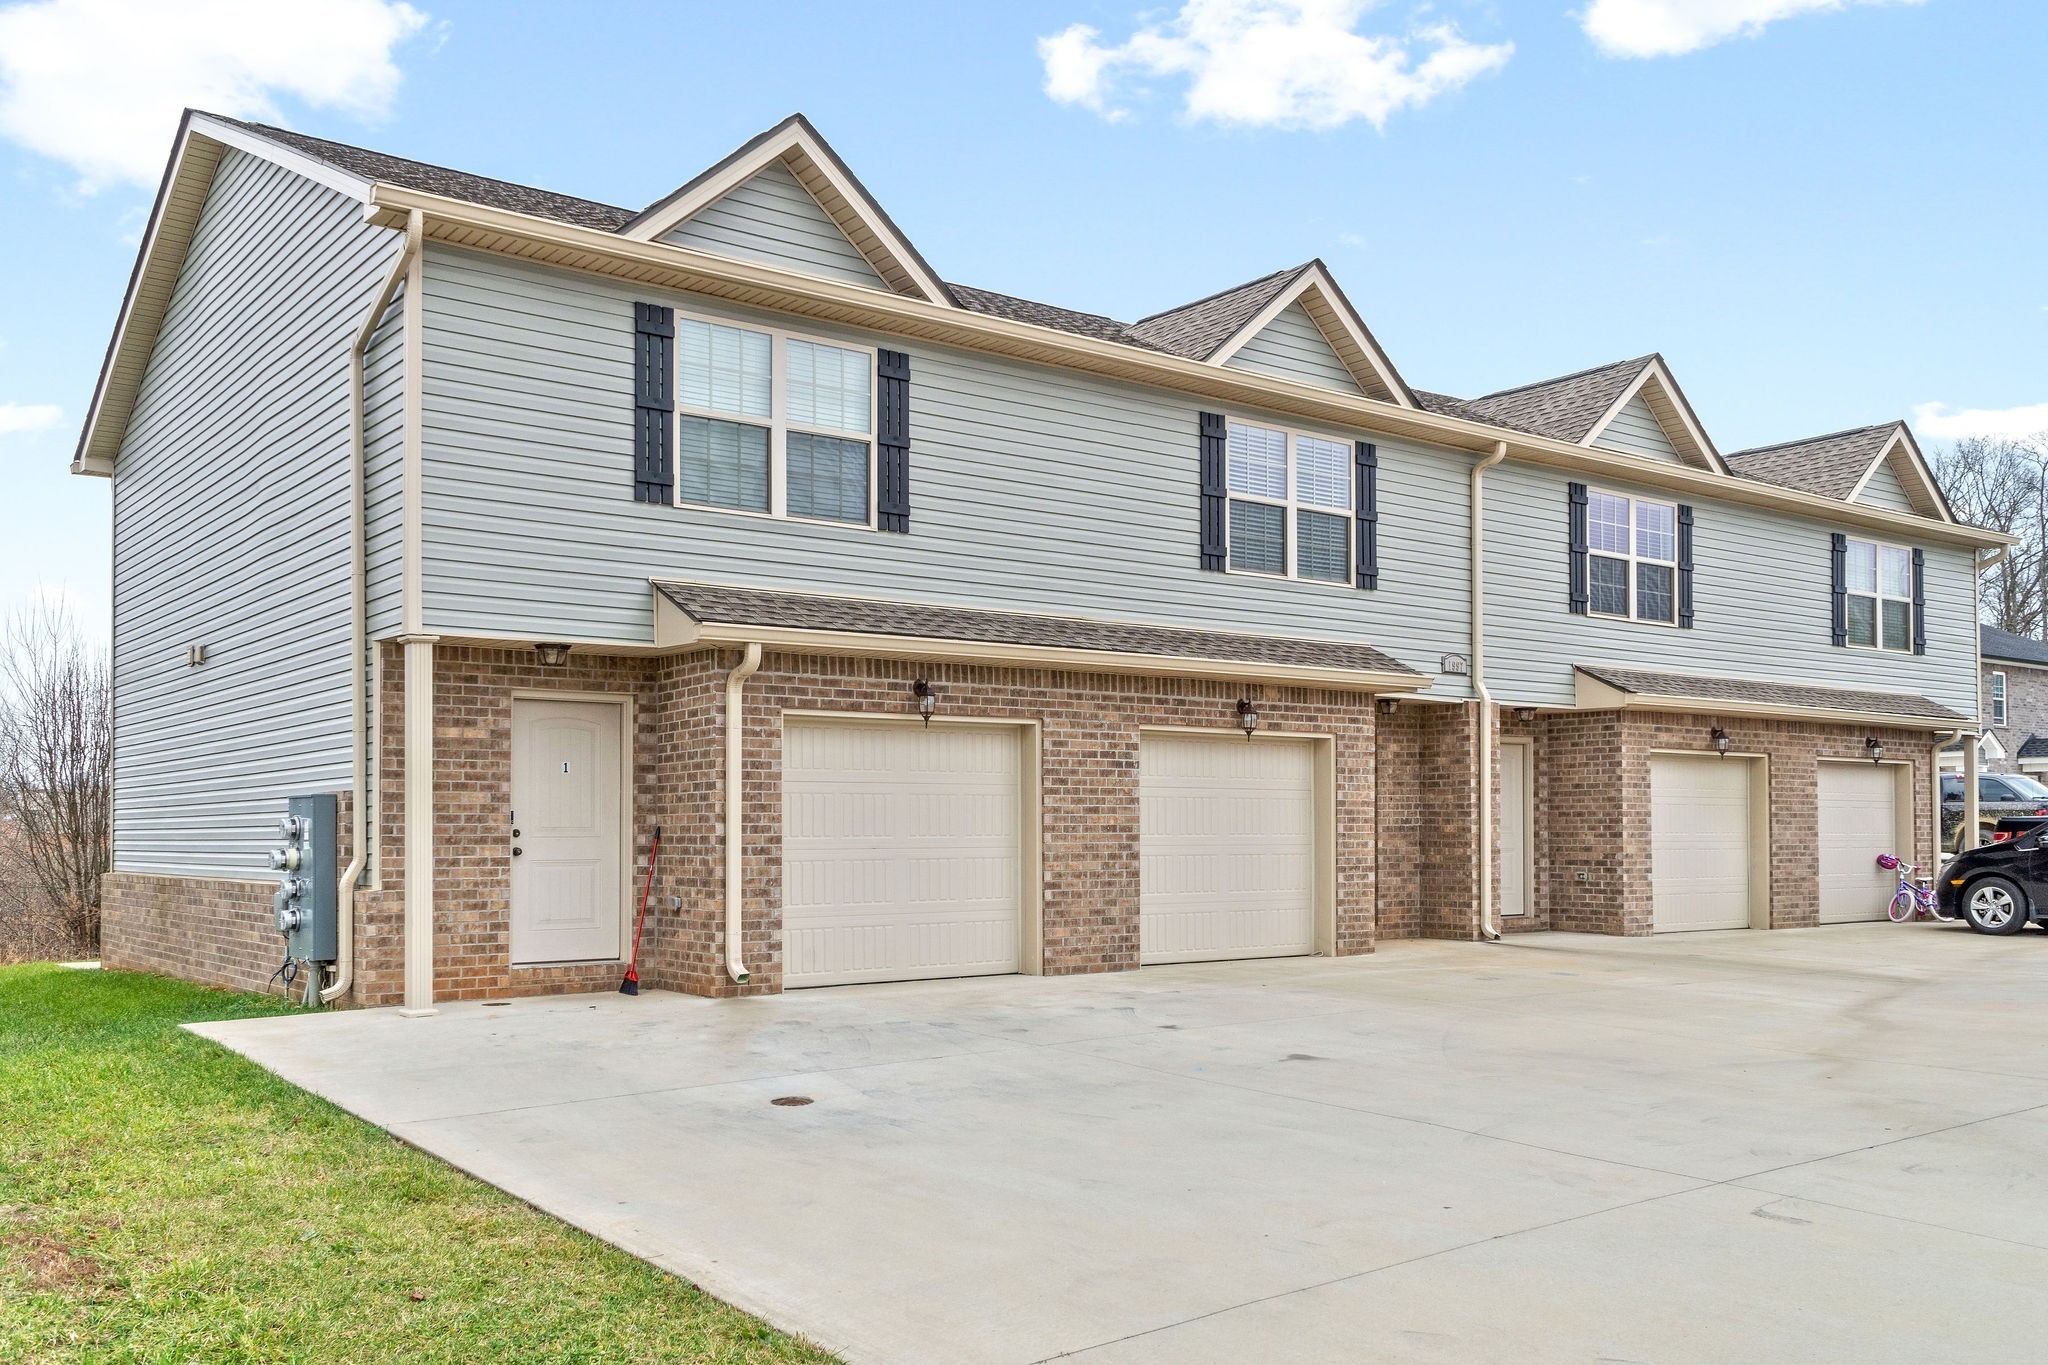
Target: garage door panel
x=1859, y=819
x=900, y=852
x=1227, y=840
x=1700, y=857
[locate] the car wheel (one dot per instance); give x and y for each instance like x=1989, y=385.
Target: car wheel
x=1994, y=905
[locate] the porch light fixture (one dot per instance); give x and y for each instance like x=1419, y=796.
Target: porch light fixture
x=1389, y=705
x=927, y=700
x=1525, y=714
x=1720, y=738
x=552, y=654
x=1247, y=718
x=1875, y=748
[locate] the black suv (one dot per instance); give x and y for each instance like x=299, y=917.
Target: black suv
x=1998, y=794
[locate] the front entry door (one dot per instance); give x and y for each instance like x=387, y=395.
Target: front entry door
x=566, y=903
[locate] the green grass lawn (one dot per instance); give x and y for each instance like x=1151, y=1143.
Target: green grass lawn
x=162, y=1199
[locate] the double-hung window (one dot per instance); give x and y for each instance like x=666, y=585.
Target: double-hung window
x=1290, y=503
x=1878, y=607
x=1998, y=699
x=1632, y=561
x=773, y=423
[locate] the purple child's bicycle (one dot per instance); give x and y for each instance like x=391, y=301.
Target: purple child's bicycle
x=1914, y=896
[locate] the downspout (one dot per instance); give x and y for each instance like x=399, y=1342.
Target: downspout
x=1941, y=742
x=359, y=622
x=1487, y=928
x=735, y=845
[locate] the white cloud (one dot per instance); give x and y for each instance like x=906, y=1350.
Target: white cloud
x=1269, y=63
x=28, y=417
x=98, y=84
x=1936, y=422
x=1670, y=28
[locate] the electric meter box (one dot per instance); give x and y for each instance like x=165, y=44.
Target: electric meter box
x=314, y=838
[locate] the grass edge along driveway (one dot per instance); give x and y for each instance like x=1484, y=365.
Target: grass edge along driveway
x=163, y=1199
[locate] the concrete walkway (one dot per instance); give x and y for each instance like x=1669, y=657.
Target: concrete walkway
x=1822, y=1145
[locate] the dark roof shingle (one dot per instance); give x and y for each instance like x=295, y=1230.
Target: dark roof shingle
x=1195, y=330
x=1563, y=409
x=1830, y=465
x=713, y=603
x=2003, y=644
x=1905, y=707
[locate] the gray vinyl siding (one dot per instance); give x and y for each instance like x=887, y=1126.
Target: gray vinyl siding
x=772, y=218
x=1635, y=429
x=1760, y=591
x=230, y=529
x=1292, y=346
x=1885, y=490
x=1031, y=487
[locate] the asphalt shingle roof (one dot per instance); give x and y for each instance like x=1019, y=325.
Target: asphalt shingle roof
x=724, y=605
x=2003, y=644
x=1195, y=330
x=2035, y=747
x=1905, y=707
x=1564, y=408
x=1046, y=315
x=1830, y=465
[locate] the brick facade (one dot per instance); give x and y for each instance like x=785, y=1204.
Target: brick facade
x=2026, y=712
x=1592, y=801
x=1404, y=790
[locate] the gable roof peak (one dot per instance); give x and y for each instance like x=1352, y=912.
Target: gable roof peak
x=801, y=149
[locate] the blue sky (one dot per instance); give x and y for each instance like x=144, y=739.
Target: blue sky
x=1823, y=212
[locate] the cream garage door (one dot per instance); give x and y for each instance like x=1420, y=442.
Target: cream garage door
x=1227, y=849
x=1699, y=842
x=899, y=852
x=1859, y=819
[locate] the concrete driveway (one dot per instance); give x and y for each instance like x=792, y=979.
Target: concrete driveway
x=1820, y=1145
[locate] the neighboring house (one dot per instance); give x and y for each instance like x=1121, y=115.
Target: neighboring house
x=984, y=594
x=2015, y=705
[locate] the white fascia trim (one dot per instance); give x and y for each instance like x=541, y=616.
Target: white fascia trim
x=255, y=144
x=1696, y=438
x=1902, y=444
x=800, y=142
x=1316, y=280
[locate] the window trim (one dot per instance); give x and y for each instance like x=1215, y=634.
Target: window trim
x=1292, y=504
x=1632, y=558
x=1997, y=689
x=777, y=423
x=1879, y=597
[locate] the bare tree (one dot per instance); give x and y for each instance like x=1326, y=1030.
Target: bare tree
x=2001, y=483
x=56, y=732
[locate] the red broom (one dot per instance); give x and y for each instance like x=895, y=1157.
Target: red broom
x=631, y=985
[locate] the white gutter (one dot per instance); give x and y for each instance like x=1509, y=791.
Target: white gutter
x=359, y=623
x=1487, y=928
x=735, y=845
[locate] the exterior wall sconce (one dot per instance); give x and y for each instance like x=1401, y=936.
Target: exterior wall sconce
x=927, y=700
x=1389, y=705
x=1720, y=738
x=1875, y=748
x=1247, y=718
x=551, y=654
x=1525, y=714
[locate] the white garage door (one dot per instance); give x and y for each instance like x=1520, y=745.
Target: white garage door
x=1859, y=819
x=1227, y=844
x=1699, y=842
x=899, y=852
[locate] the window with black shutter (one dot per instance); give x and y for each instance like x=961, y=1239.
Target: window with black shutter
x=654, y=331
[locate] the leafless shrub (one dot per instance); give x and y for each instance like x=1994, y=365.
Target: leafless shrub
x=56, y=733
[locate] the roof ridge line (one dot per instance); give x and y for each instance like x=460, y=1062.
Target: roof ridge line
x=1561, y=378
x=1290, y=272
x=1809, y=440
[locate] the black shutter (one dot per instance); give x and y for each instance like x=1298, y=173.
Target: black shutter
x=654, y=404
x=1919, y=602
x=892, y=441
x=1684, y=567
x=1839, y=584
x=1368, y=468
x=1215, y=492
x=1577, y=493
